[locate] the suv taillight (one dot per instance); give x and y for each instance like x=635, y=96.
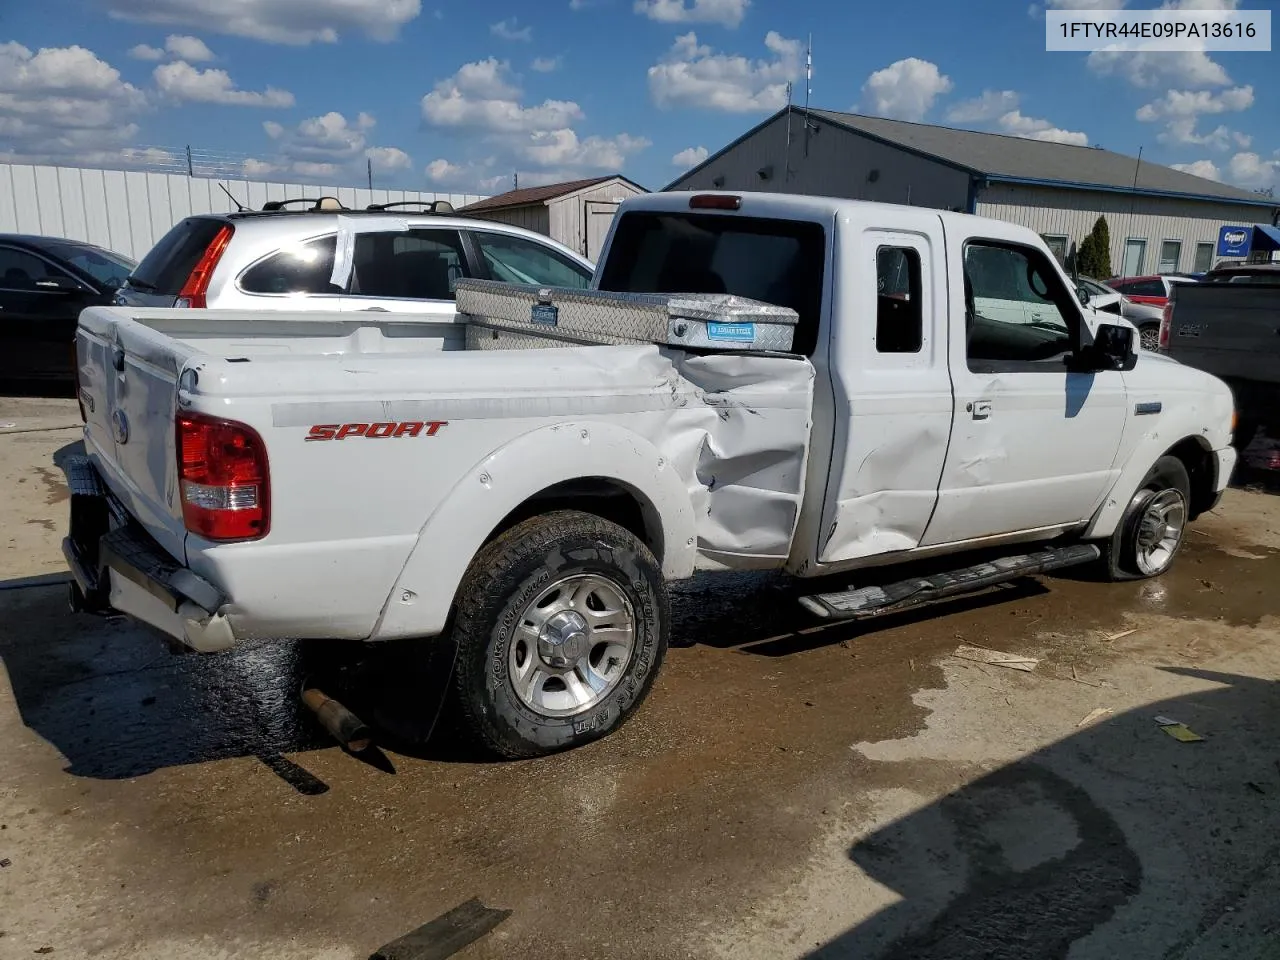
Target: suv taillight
x=1166, y=321
x=193, y=291
x=223, y=476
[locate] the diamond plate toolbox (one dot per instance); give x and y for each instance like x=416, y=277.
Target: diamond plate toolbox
x=551, y=316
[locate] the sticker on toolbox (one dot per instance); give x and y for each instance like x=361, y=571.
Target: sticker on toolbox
x=737, y=332
x=545, y=314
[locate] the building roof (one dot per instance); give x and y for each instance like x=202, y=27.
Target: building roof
x=534, y=195
x=1017, y=159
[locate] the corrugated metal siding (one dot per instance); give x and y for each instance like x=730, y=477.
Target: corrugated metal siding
x=1072, y=213
x=569, y=214
x=839, y=163
x=128, y=211
x=533, y=217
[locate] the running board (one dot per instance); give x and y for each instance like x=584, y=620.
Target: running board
x=892, y=597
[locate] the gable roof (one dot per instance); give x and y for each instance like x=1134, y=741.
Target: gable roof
x=1016, y=159
x=532, y=195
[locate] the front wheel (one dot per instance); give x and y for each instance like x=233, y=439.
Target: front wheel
x=1153, y=527
x=561, y=625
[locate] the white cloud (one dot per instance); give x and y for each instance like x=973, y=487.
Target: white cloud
x=1189, y=68
x=64, y=103
x=563, y=148
x=690, y=157
x=181, y=82
x=989, y=106
x=546, y=64
x=442, y=171
x=693, y=75
x=1017, y=124
x=1188, y=103
x=1200, y=168
x=191, y=49
x=729, y=13
x=388, y=159
x=510, y=29
x=1252, y=171
x=296, y=22
x=904, y=90
x=144, y=52
x=481, y=97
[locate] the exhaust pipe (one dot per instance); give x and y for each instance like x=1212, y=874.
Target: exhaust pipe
x=345, y=727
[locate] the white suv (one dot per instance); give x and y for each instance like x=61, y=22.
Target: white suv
x=284, y=258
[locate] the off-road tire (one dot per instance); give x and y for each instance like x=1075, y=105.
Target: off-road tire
x=506, y=576
x=1120, y=552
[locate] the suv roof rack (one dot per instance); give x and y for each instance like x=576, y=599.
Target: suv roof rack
x=318, y=204
x=431, y=206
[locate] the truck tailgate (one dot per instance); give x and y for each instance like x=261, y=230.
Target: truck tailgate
x=1229, y=330
x=129, y=385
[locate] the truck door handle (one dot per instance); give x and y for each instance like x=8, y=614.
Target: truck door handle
x=981, y=409
x=373, y=310
x=117, y=358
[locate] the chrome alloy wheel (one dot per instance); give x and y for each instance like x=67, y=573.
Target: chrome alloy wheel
x=571, y=645
x=1159, y=532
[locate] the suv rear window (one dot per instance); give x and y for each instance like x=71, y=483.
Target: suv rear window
x=775, y=261
x=165, y=269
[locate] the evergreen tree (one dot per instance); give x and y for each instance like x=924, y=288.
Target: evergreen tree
x=1094, y=255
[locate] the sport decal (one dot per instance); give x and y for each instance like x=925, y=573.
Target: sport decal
x=376, y=431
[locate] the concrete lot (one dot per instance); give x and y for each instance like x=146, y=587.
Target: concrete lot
x=788, y=790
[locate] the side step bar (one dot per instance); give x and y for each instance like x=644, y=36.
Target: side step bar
x=877, y=601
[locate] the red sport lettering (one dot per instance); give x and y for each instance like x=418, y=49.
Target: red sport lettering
x=377, y=431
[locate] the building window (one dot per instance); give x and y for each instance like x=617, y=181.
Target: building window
x=899, y=320
x=1057, y=245
x=1204, y=257
x=1170, y=255
x=1135, y=257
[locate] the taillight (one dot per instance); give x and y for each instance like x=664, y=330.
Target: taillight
x=193, y=291
x=1166, y=321
x=223, y=477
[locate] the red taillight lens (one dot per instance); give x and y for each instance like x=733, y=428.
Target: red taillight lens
x=193, y=291
x=1166, y=321
x=715, y=201
x=223, y=476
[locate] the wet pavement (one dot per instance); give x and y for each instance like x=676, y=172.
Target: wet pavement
x=790, y=789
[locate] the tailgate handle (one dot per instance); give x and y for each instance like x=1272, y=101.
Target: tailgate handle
x=117, y=358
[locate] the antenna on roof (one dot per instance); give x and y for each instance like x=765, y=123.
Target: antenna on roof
x=808, y=90
x=786, y=170
x=515, y=180
x=240, y=207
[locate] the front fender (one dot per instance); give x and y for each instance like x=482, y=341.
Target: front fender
x=462, y=522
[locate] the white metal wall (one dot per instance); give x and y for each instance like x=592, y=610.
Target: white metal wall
x=128, y=211
x=1072, y=213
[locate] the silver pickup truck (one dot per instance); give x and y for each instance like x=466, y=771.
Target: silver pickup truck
x=1230, y=326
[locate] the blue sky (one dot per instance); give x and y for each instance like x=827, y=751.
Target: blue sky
x=452, y=95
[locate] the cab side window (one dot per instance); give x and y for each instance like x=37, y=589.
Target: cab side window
x=899, y=301
x=1018, y=313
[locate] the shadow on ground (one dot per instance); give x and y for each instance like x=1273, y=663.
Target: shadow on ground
x=1119, y=841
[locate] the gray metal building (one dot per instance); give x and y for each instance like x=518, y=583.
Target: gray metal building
x=577, y=213
x=1161, y=220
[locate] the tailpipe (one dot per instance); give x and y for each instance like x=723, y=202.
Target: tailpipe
x=345, y=727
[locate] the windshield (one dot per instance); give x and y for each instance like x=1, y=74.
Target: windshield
x=108, y=268
x=775, y=261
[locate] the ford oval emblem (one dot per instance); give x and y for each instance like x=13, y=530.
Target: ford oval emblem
x=120, y=425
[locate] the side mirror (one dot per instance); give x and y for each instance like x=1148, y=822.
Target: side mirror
x=1083, y=296
x=1114, y=348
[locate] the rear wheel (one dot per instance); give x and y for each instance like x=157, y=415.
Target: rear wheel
x=1154, y=525
x=561, y=625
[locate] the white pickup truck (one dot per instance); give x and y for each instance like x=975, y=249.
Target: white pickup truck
x=265, y=475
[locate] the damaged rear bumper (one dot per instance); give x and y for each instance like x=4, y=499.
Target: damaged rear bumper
x=118, y=568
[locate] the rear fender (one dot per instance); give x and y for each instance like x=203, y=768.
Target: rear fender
x=462, y=523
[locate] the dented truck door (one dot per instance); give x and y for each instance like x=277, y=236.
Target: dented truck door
x=1034, y=440
x=892, y=388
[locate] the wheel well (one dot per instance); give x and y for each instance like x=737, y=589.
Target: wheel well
x=1202, y=468
x=599, y=496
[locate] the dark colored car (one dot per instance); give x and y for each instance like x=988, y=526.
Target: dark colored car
x=44, y=284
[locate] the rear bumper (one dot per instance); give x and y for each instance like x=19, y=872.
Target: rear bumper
x=117, y=567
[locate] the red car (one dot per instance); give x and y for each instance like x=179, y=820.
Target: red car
x=1154, y=290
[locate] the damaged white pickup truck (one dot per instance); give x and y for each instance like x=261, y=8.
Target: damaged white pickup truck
x=835, y=386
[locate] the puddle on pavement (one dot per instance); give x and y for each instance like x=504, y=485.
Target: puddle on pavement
x=54, y=483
